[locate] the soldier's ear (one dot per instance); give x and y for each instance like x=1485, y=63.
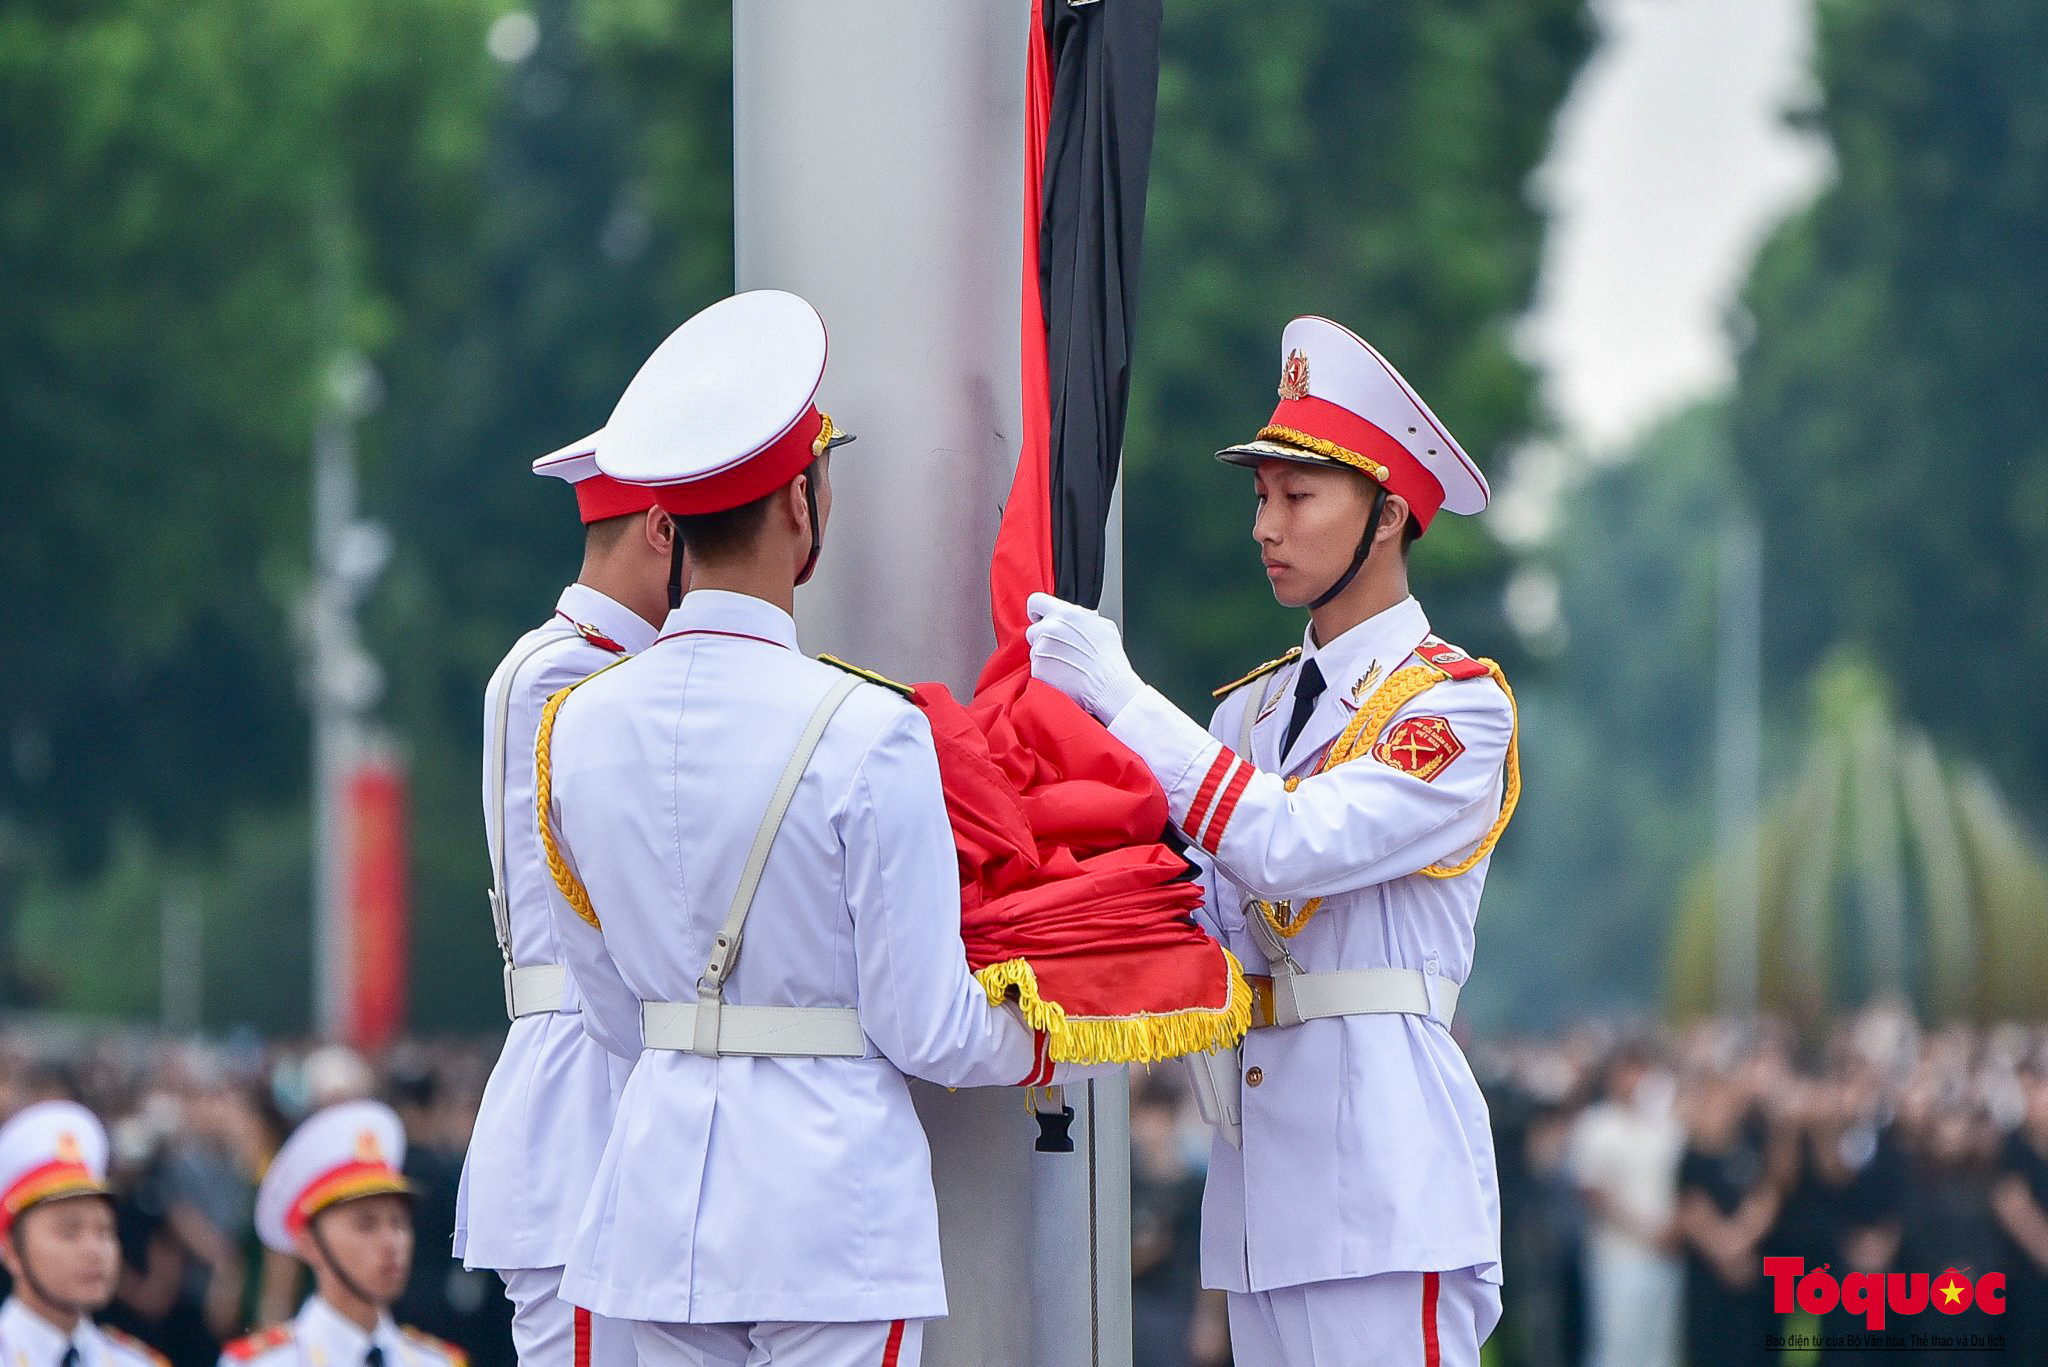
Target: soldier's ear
x=660, y=530
x=1393, y=518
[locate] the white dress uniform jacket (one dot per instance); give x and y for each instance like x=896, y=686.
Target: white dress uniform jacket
x=29, y=1340
x=548, y=1105
x=321, y=1336
x=1366, y=1142
x=739, y=1188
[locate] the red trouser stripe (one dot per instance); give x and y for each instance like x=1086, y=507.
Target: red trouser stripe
x=894, y=1348
x=1432, y=1355
x=582, y=1337
x=1225, y=806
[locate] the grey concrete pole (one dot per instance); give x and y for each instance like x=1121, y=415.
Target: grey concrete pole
x=878, y=172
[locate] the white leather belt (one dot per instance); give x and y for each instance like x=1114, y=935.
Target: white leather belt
x=712, y=1028
x=1291, y=998
x=534, y=990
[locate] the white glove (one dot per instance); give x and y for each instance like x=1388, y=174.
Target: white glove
x=1081, y=653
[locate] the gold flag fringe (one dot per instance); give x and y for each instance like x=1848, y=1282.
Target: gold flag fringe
x=1143, y=1038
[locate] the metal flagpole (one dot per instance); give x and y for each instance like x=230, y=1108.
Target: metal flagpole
x=342, y=681
x=1738, y=764
x=878, y=171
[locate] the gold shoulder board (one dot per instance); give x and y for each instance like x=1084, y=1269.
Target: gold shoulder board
x=868, y=674
x=1261, y=672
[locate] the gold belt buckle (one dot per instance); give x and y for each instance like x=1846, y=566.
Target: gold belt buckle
x=1262, y=999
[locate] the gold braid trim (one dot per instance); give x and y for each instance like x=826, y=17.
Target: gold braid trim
x=824, y=437
x=1122, y=1039
x=1358, y=738
x=572, y=889
x=1328, y=449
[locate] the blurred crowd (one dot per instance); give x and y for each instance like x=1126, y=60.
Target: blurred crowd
x=192, y=1129
x=1645, y=1175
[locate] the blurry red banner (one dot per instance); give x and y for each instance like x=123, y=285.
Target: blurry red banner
x=375, y=902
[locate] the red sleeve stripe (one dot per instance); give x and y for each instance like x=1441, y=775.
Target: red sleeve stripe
x=1206, y=794
x=1226, y=806
x=1041, y=1060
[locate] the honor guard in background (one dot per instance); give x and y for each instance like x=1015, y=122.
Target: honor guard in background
x=1344, y=802
x=759, y=896
x=548, y=1105
x=334, y=1198
x=57, y=1242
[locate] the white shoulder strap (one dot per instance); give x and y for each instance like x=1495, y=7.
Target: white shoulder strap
x=1251, y=714
x=494, y=782
x=725, y=948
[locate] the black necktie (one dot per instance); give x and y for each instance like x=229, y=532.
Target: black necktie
x=70, y=1358
x=375, y=1357
x=1307, y=689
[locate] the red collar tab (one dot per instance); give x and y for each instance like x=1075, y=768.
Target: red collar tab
x=1454, y=662
x=593, y=635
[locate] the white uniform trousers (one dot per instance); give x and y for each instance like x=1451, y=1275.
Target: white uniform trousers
x=1397, y=1319
x=887, y=1343
x=547, y=1331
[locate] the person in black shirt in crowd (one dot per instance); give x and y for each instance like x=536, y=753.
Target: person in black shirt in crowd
x=1726, y=1206
x=2019, y=1199
x=1166, y=1231
x=1948, y=1217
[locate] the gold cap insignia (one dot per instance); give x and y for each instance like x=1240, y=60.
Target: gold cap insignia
x=67, y=1148
x=367, y=1148
x=1294, y=375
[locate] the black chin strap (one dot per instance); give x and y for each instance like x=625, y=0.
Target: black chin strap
x=817, y=532
x=675, y=568
x=334, y=1264
x=1372, y=530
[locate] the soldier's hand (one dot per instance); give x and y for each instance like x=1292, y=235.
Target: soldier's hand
x=1081, y=653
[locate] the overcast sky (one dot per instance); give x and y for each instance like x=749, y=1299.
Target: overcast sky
x=1671, y=164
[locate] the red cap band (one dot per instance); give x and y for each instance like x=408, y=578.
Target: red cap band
x=59, y=1178
x=767, y=470
x=350, y=1180
x=1340, y=427
x=601, y=497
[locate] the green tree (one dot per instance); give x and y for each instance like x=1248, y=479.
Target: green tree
x=1886, y=874
x=1366, y=160
x=1617, y=741
x=1888, y=408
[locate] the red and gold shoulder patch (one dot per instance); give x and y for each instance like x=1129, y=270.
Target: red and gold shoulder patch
x=455, y=1355
x=252, y=1346
x=135, y=1346
x=1421, y=746
x=599, y=639
x=1455, y=663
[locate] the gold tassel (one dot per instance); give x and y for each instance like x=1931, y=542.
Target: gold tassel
x=1121, y=1039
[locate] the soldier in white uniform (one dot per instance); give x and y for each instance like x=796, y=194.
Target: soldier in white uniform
x=548, y=1105
x=1344, y=802
x=334, y=1198
x=766, y=1194
x=57, y=1242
